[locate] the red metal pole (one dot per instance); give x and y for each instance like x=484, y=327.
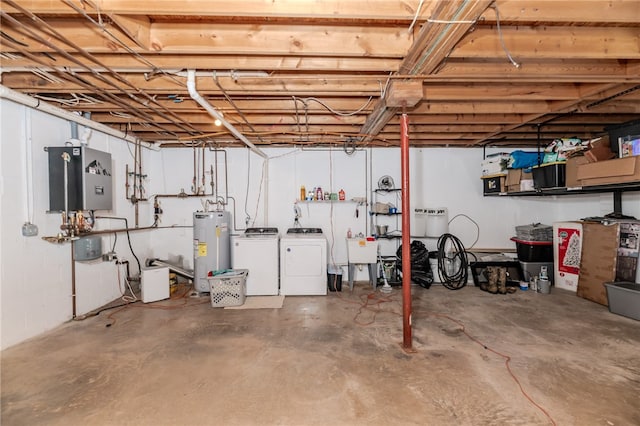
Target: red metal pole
x=406, y=237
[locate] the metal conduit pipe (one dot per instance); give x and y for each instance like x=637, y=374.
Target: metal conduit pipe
x=173, y=268
x=12, y=95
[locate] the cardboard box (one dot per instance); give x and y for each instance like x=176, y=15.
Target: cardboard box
x=619, y=170
x=600, y=150
x=609, y=253
x=598, y=261
x=567, y=251
x=514, y=177
x=571, y=178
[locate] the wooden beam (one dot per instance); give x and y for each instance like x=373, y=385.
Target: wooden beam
x=404, y=93
x=566, y=11
x=571, y=42
x=334, y=9
x=432, y=46
x=562, y=107
x=137, y=28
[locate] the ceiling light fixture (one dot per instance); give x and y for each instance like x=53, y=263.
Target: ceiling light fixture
x=217, y=121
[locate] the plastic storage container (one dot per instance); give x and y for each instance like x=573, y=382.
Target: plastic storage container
x=549, y=175
x=534, y=251
x=624, y=298
x=494, y=184
x=229, y=288
x=533, y=269
x=534, y=232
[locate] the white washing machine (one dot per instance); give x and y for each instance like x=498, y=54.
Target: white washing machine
x=257, y=251
x=303, y=262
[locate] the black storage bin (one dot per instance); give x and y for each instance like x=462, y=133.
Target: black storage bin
x=494, y=184
x=621, y=130
x=550, y=175
x=534, y=251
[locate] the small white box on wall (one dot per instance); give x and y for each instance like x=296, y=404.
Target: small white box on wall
x=154, y=284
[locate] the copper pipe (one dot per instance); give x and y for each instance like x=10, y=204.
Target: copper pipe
x=406, y=238
x=181, y=195
x=73, y=280
x=204, y=187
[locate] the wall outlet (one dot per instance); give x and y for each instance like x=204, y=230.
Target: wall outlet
x=29, y=229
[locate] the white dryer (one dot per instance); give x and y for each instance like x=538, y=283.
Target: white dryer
x=303, y=262
x=257, y=251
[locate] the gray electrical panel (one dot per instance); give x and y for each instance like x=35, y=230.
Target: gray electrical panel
x=89, y=181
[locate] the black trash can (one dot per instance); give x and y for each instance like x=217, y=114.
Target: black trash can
x=334, y=278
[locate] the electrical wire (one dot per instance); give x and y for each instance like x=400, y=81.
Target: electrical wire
x=247, y=217
x=331, y=223
x=260, y=186
x=115, y=240
x=341, y=114
x=128, y=299
x=126, y=226
x=504, y=47
x=507, y=361
x=453, y=264
x=472, y=221
x=373, y=302
x=415, y=17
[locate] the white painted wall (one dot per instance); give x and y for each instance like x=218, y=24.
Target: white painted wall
x=36, y=275
x=440, y=177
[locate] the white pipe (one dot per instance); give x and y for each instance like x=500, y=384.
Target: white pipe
x=266, y=191
x=191, y=87
x=12, y=95
x=29, y=164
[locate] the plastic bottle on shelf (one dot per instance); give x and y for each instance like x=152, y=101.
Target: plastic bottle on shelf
x=349, y=234
x=303, y=193
x=341, y=195
x=319, y=194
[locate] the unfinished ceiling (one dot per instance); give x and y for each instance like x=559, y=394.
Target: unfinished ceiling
x=325, y=72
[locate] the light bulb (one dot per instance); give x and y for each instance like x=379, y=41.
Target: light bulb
x=217, y=122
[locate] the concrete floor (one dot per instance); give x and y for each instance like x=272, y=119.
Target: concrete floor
x=331, y=361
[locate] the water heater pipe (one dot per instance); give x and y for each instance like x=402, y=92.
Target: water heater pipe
x=406, y=237
x=12, y=95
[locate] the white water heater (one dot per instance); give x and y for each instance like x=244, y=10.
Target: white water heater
x=211, y=246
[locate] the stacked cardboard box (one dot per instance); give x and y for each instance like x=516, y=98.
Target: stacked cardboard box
x=609, y=253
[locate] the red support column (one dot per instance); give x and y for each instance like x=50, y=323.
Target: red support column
x=406, y=235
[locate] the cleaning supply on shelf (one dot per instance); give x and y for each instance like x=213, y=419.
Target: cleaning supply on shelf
x=341, y=195
x=303, y=193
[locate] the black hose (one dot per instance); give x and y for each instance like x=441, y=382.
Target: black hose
x=453, y=278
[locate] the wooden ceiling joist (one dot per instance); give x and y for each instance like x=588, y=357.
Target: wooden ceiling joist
x=332, y=67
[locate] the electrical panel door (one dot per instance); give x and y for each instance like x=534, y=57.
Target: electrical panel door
x=88, y=179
